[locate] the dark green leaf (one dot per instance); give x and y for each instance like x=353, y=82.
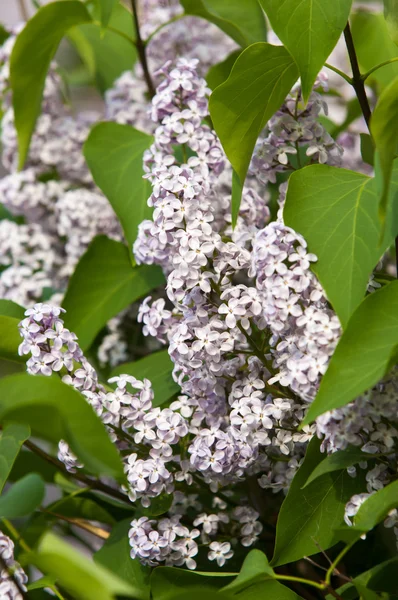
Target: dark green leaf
x=374, y=46
x=114, y=154
x=271, y=589
x=159, y=506
x=111, y=53
x=337, y=462
x=367, y=149
x=198, y=593
x=243, y=22
x=382, y=577
x=240, y=107
x=23, y=497
x=57, y=411
x=309, y=516
x=255, y=567
x=336, y=212
x=78, y=574
x=236, y=195
x=103, y=284
x=115, y=556
x=384, y=128
x=31, y=56
x=10, y=339
x=82, y=508
x=28, y=462
x=362, y=356
x=391, y=17
x=106, y=11
x=12, y=438
x=158, y=368
x=168, y=583
x=219, y=73
x=11, y=309
x=310, y=30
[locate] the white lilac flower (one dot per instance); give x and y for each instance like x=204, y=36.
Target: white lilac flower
x=12, y=578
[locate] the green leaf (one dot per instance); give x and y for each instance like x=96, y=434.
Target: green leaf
x=198, y=593
x=382, y=577
x=57, y=411
x=158, y=368
x=159, y=506
x=82, y=508
x=106, y=11
x=309, y=516
x=115, y=556
x=28, y=462
x=255, y=567
x=336, y=212
x=374, y=46
x=114, y=154
x=309, y=29
x=77, y=573
x=168, y=583
x=384, y=128
x=12, y=438
x=10, y=339
x=243, y=22
x=376, y=507
x=220, y=72
x=112, y=53
x=103, y=284
x=271, y=589
x=337, y=462
x=367, y=149
x=23, y=497
x=30, y=59
x=11, y=309
x=391, y=17
x=259, y=81
x=363, y=354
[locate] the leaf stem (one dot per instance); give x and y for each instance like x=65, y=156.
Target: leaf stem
x=341, y=73
x=140, y=45
x=334, y=564
x=118, y=32
x=357, y=81
x=373, y=69
x=319, y=586
x=101, y=533
x=93, y=483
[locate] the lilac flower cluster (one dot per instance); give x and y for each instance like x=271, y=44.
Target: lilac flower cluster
x=295, y=126
x=13, y=578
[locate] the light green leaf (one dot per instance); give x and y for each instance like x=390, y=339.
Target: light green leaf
x=11, y=309
x=77, y=573
x=243, y=22
x=309, y=516
x=168, y=582
x=268, y=589
x=156, y=367
x=10, y=339
x=376, y=507
x=255, y=567
x=57, y=411
x=310, y=30
x=220, y=72
x=103, y=284
x=114, y=154
x=12, y=438
x=115, y=556
x=23, y=497
x=363, y=354
x=336, y=212
x=374, y=46
x=240, y=107
x=31, y=56
x=367, y=148
x=384, y=128
x=391, y=17
x=337, y=462
x=112, y=53
x=106, y=7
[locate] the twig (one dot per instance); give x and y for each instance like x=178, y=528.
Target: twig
x=101, y=533
x=95, y=484
x=140, y=45
x=357, y=81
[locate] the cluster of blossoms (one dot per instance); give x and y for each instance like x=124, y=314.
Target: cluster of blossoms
x=12, y=577
x=295, y=126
